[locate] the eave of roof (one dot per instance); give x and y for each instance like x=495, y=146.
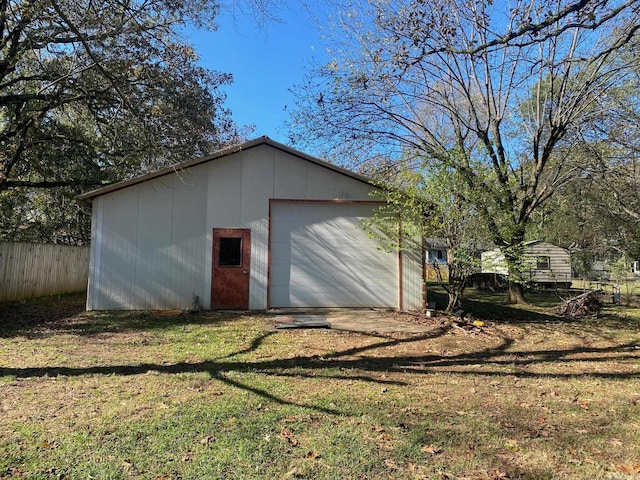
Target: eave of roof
x=87, y=197
x=530, y=243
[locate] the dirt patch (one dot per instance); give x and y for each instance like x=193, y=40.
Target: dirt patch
x=386, y=322
x=40, y=313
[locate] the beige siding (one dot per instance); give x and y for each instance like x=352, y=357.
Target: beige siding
x=560, y=263
x=29, y=270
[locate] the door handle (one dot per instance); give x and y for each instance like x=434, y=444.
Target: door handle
x=244, y=271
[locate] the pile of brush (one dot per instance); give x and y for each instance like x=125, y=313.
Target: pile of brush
x=587, y=304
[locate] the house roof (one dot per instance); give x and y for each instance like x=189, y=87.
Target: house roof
x=533, y=242
x=435, y=243
x=87, y=197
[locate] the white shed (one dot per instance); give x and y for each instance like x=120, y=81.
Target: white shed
x=254, y=226
x=544, y=262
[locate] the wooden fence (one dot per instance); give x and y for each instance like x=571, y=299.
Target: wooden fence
x=29, y=270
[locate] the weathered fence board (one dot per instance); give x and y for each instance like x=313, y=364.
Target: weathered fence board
x=29, y=270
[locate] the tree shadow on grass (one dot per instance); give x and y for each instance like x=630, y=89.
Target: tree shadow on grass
x=491, y=305
x=43, y=317
x=503, y=360
x=505, y=314
x=25, y=316
x=508, y=314
x=368, y=363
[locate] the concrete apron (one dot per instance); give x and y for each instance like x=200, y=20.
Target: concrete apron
x=352, y=320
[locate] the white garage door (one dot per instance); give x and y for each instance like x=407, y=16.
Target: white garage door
x=321, y=257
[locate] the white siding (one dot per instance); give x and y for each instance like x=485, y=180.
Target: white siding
x=257, y=188
x=152, y=244
x=116, y=250
x=291, y=180
x=321, y=257
x=95, y=255
x=295, y=179
x=248, y=181
x=188, y=242
x=148, y=244
x=224, y=192
x=153, y=260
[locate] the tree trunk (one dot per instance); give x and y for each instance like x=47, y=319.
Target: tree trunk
x=516, y=293
x=514, y=257
x=453, y=302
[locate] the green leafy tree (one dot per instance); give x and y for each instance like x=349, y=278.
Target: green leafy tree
x=496, y=91
x=44, y=216
x=431, y=203
x=94, y=91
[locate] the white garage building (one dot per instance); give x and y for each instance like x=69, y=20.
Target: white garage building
x=254, y=226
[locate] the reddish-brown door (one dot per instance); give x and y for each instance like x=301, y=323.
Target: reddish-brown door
x=231, y=256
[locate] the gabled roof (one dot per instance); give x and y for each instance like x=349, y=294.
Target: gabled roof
x=531, y=243
x=87, y=197
x=536, y=242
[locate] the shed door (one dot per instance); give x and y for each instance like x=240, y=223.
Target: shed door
x=321, y=257
x=231, y=256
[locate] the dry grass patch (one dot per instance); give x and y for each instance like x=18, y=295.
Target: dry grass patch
x=134, y=395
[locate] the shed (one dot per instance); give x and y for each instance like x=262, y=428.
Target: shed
x=544, y=262
x=254, y=226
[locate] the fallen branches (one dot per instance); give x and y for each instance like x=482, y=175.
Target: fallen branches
x=587, y=304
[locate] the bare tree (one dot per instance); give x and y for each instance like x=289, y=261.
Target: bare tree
x=496, y=91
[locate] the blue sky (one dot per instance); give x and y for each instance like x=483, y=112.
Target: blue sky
x=265, y=61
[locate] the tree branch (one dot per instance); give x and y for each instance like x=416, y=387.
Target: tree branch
x=50, y=183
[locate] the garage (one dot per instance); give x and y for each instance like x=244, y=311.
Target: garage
x=253, y=226
x=320, y=256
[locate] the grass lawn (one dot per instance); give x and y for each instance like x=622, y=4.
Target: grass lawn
x=218, y=395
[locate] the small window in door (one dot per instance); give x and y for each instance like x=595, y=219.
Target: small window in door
x=230, y=252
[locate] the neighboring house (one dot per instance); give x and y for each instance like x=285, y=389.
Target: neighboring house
x=436, y=251
x=605, y=270
x=436, y=260
x=254, y=226
x=544, y=263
